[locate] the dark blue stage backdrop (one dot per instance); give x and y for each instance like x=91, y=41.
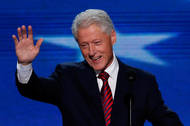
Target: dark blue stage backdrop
x=152, y=35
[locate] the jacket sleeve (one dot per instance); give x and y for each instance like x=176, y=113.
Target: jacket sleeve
x=42, y=89
x=158, y=113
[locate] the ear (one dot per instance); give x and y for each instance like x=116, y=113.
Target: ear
x=113, y=37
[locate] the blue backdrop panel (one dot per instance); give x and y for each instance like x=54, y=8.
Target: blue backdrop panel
x=151, y=35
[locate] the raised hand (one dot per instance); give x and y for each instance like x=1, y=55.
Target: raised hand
x=26, y=51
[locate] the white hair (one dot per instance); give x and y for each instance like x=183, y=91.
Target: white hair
x=92, y=16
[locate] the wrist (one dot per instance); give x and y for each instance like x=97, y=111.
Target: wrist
x=24, y=63
x=25, y=67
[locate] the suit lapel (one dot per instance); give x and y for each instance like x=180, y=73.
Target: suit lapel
x=89, y=86
x=125, y=80
x=123, y=90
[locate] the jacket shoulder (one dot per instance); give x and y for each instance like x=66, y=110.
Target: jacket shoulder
x=70, y=66
x=135, y=71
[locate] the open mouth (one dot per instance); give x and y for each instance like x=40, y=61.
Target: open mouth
x=95, y=59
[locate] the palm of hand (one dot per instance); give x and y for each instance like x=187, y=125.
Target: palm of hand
x=26, y=51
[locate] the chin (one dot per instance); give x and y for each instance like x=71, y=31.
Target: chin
x=98, y=68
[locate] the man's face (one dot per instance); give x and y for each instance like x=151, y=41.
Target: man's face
x=96, y=46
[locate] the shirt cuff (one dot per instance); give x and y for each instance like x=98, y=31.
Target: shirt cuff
x=24, y=72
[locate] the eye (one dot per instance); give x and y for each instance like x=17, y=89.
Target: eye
x=97, y=43
x=83, y=45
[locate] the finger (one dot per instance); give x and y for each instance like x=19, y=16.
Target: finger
x=15, y=39
x=39, y=42
x=19, y=33
x=24, y=33
x=30, y=34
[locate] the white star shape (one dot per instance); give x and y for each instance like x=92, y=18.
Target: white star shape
x=128, y=45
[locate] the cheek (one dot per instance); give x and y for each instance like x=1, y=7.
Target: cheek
x=85, y=55
x=107, y=50
x=84, y=52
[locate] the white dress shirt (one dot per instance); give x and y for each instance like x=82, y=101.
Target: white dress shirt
x=112, y=70
x=24, y=73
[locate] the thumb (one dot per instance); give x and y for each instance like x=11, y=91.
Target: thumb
x=39, y=42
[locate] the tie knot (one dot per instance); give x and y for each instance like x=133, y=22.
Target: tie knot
x=103, y=75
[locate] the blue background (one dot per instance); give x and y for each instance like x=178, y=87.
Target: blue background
x=155, y=37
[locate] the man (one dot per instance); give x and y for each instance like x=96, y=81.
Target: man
x=100, y=91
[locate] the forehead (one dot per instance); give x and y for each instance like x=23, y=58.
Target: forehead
x=91, y=32
x=90, y=28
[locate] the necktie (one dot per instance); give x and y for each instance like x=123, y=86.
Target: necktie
x=107, y=99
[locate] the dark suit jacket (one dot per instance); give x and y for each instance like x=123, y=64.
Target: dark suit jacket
x=73, y=88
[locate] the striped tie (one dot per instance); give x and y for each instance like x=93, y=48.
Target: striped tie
x=107, y=99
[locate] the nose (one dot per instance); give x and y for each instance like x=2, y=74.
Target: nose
x=91, y=50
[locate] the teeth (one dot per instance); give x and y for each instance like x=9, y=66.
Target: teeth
x=96, y=58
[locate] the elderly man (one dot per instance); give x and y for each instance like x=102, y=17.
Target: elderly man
x=100, y=91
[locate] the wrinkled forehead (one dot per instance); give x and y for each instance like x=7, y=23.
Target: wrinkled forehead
x=87, y=24
x=90, y=30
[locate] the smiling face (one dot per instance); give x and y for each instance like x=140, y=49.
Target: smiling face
x=96, y=46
